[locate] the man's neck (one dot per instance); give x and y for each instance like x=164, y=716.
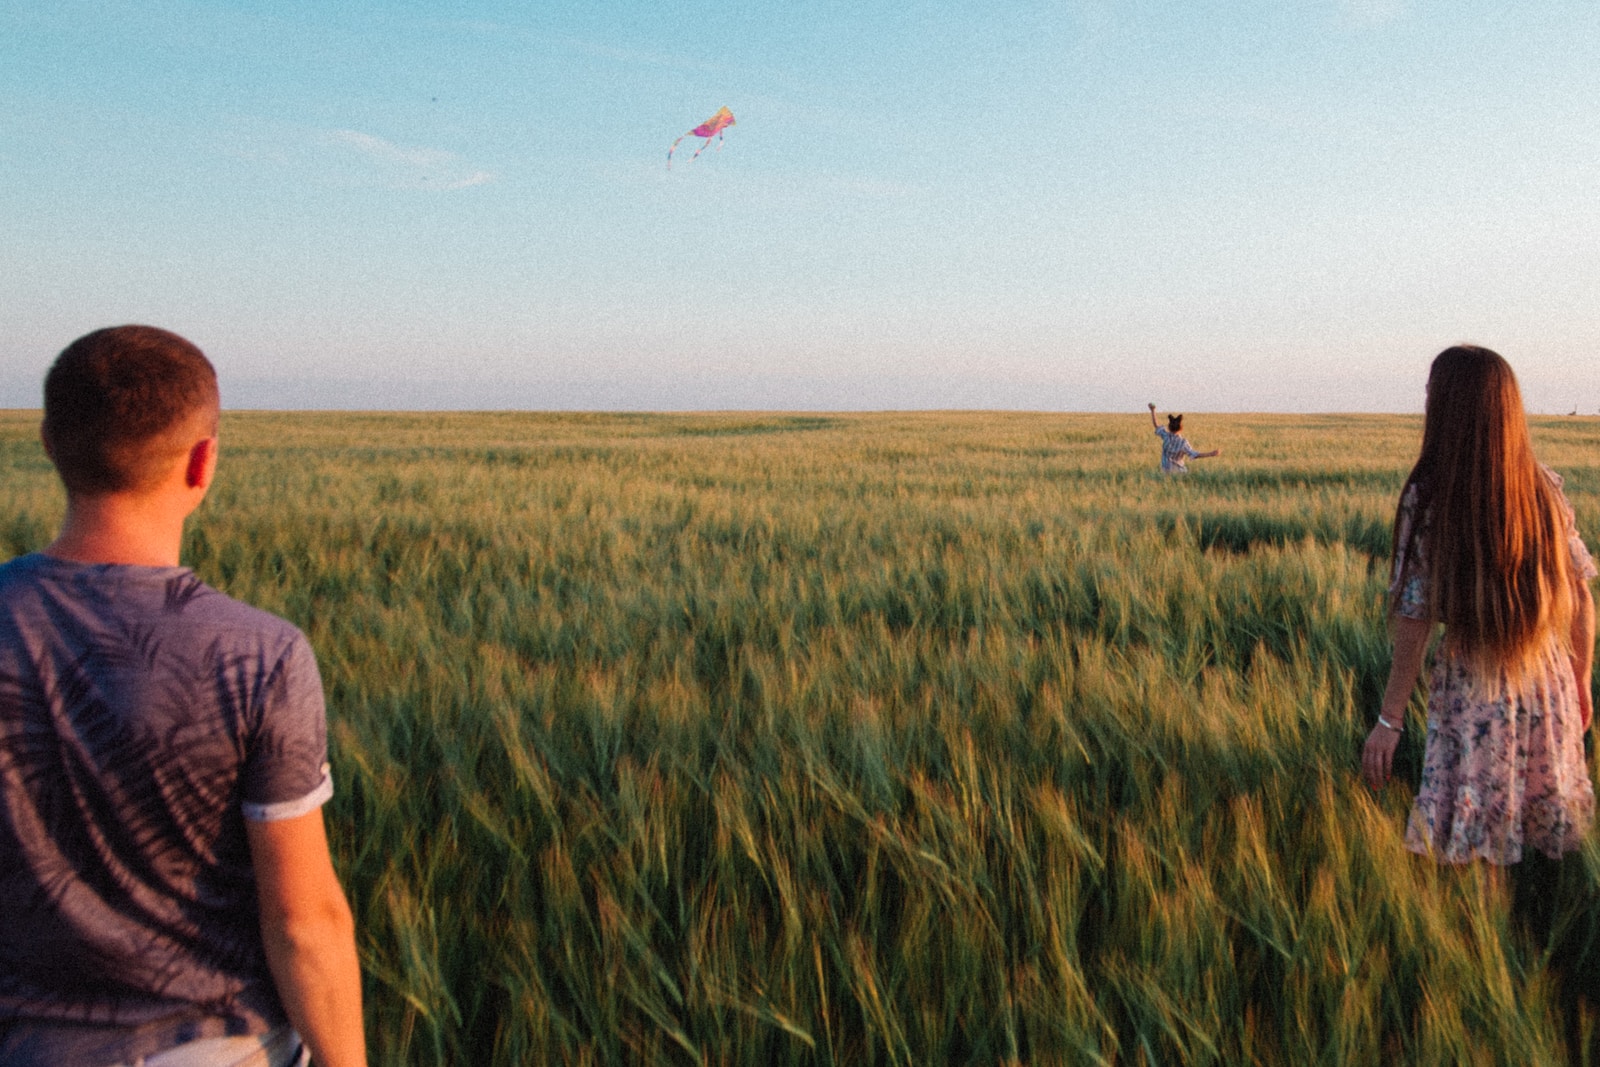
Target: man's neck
x=120, y=528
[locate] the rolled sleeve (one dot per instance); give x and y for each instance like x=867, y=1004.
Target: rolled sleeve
x=292, y=809
x=1582, y=562
x=286, y=771
x=1408, y=586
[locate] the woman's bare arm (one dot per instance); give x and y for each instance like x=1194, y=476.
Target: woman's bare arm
x=1410, y=649
x=1583, y=649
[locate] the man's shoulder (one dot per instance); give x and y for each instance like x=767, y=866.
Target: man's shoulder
x=167, y=597
x=188, y=591
x=21, y=568
x=189, y=603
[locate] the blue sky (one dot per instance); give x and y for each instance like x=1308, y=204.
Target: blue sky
x=1226, y=206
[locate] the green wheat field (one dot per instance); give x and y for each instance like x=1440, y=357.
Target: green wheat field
x=954, y=738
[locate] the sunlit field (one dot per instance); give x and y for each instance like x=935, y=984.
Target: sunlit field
x=876, y=739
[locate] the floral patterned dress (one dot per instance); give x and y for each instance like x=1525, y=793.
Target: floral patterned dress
x=1503, y=765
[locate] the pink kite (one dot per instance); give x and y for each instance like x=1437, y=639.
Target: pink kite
x=711, y=127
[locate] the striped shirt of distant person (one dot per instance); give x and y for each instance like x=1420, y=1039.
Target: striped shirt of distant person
x=1176, y=451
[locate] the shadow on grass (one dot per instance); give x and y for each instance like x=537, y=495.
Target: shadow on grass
x=1557, y=905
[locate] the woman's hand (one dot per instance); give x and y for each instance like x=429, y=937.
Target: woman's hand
x=1377, y=759
x=1410, y=648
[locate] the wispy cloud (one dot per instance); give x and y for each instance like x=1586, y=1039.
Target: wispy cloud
x=405, y=166
x=349, y=158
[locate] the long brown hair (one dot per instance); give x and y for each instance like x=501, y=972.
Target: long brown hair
x=1499, y=570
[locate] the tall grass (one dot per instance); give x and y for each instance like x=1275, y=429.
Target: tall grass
x=875, y=739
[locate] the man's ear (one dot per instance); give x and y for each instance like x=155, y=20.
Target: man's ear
x=202, y=464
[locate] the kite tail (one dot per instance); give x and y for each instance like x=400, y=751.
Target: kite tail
x=697, y=151
x=673, y=149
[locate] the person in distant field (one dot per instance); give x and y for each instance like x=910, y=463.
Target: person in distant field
x=167, y=896
x=1485, y=543
x=1176, y=451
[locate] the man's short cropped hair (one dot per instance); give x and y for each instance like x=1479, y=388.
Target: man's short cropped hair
x=121, y=404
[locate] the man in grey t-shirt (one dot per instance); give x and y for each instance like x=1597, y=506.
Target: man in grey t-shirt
x=165, y=882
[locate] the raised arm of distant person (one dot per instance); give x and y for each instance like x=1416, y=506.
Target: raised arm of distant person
x=1153, y=421
x=309, y=935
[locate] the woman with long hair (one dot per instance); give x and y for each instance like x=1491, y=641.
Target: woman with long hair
x=1484, y=543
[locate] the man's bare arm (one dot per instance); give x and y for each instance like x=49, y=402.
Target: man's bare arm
x=310, y=937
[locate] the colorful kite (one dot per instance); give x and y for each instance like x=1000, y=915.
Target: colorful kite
x=711, y=127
